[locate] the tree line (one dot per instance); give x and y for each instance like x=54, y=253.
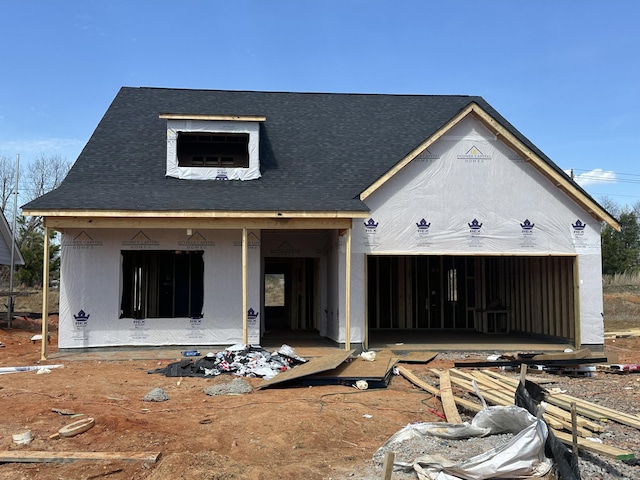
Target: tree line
x=39, y=176
x=620, y=250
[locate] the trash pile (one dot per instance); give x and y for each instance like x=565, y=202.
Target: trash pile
x=241, y=360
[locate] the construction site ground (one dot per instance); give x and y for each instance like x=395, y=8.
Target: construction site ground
x=319, y=432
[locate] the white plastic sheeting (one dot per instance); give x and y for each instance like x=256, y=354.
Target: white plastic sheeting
x=470, y=194
x=523, y=456
x=206, y=173
x=90, y=292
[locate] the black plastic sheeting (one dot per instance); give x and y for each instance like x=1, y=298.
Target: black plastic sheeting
x=241, y=360
x=566, y=463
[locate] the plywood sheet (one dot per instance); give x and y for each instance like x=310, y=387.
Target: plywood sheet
x=417, y=357
x=313, y=366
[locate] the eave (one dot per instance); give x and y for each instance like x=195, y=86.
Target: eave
x=303, y=220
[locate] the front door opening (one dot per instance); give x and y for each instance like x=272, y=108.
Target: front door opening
x=290, y=294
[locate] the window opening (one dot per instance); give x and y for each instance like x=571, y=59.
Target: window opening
x=162, y=284
x=274, y=290
x=208, y=149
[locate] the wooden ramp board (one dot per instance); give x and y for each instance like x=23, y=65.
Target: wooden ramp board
x=24, y=456
x=313, y=366
x=376, y=373
x=416, y=357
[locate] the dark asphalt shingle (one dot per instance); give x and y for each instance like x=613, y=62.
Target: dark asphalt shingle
x=318, y=151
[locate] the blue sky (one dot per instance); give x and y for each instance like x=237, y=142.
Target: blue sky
x=565, y=73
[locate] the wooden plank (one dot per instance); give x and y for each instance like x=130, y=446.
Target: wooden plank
x=554, y=410
x=23, y=456
x=466, y=404
x=313, y=366
x=600, y=448
x=387, y=465
x=417, y=357
x=498, y=397
x=448, y=402
x=592, y=410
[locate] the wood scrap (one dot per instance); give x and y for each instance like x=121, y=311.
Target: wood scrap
x=552, y=409
x=600, y=448
x=20, y=456
x=466, y=404
x=448, y=402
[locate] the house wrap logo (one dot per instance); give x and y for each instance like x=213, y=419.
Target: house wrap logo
x=285, y=249
x=423, y=228
x=82, y=241
x=475, y=227
x=81, y=319
x=253, y=241
x=252, y=316
x=426, y=155
x=370, y=226
x=221, y=174
x=578, y=228
x=527, y=227
x=140, y=241
x=197, y=242
x=474, y=155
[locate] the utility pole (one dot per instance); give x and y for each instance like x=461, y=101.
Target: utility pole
x=13, y=244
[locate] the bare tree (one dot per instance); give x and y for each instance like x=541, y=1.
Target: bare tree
x=7, y=181
x=42, y=175
x=45, y=174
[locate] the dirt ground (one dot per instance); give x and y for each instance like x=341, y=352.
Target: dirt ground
x=318, y=432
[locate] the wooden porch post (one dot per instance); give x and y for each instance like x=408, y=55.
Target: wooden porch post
x=45, y=295
x=576, y=303
x=347, y=295
x=245, y=335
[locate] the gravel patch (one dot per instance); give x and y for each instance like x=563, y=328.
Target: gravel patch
x=237, y=386
x=156, y=395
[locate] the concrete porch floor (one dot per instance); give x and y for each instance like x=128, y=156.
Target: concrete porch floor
x=310, y=344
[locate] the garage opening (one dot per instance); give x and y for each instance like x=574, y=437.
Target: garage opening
x=488, y=294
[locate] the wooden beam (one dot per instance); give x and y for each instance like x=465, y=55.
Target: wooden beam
x=245, y=335
x=448, y=402
x=45, y=296
x=588, y=445
x=279, y=214
x=347, y=293
x=562, y=182
x=232, y=118
x=23, y=456
x=202, y=223
x=416, y=151
x=466, y=404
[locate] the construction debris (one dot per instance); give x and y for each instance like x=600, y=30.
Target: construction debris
x=239, y=359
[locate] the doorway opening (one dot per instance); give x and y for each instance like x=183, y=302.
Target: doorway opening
x=290, y=294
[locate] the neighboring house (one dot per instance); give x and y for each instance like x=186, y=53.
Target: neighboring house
x=6, y=240
x=377, y=212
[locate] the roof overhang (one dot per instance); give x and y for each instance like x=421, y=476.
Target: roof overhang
x=560, y=180
x=61, y=219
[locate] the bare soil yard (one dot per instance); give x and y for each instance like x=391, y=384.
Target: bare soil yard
x=318, y=432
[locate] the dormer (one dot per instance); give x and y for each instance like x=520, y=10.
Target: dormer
x=213, y=147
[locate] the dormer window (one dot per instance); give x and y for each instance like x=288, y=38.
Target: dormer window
x=213, y=147
x=208, y=149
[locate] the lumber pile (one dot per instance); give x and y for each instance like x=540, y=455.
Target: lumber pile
x=498, y=389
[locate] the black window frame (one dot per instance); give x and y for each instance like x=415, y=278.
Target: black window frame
x=213, y=149
x=162, y=284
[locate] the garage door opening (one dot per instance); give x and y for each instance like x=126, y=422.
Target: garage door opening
x=488, y=294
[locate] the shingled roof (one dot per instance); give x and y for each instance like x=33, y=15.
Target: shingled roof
x=318, y=151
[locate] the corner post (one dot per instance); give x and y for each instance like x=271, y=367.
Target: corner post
x=347, y=295
x=45, y=295
x=245, y=335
